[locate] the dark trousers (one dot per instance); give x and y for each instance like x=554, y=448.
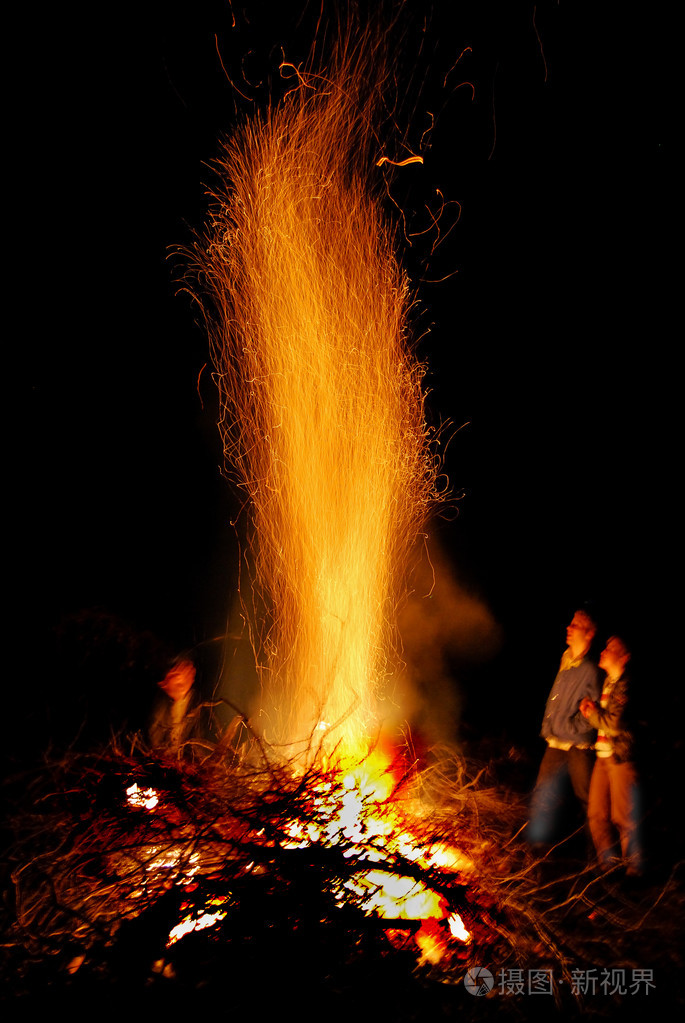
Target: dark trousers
x=560, y=770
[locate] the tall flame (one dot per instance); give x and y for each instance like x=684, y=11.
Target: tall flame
x=321, y=405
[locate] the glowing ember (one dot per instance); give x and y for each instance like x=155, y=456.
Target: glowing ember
x=353, y=811
x=322, y=410
x=457, y=929
x=147, y=798
x=199, y=922
x=397, y=897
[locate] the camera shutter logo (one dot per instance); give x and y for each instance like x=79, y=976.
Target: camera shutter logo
x=478, y=980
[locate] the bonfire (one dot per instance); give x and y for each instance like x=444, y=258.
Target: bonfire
x=308, y=845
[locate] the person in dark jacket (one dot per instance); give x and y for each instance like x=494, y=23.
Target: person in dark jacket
x=569, y=736
x=613, y=812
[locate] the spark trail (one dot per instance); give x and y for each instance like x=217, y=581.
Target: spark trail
x=322, y=414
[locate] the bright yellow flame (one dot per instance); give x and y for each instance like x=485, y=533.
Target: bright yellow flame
x=457, y=929
x=136, y=796
x=322, y=411
x=397, y=897
x=351, y=810
x=431, y=941
x=199, y=922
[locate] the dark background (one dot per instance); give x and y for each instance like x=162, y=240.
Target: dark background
x=553, y=338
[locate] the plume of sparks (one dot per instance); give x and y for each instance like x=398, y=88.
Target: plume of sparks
x=322, y=414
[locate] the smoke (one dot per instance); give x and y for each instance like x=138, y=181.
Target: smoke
x=446, y=631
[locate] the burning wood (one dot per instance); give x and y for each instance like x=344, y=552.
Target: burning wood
x=180, y=828
x=182, y=867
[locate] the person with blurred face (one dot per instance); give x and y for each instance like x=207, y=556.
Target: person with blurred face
x=569, y=757
x=613, y=801
x=171, y=722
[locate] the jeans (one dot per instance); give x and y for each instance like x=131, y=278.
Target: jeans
x=558, y=769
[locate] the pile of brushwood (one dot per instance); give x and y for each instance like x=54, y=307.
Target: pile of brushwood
x=108, y=852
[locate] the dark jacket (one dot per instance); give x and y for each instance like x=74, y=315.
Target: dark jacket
x=613, y=720
x=562, y=719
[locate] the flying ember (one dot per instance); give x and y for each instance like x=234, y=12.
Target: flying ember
x=322, y=414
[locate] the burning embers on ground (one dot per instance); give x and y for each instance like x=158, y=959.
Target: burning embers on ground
x=123, y=850
x=198, y=848
x=180, y=877
x=357, y=819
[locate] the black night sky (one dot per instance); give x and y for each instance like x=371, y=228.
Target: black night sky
x=554, y=339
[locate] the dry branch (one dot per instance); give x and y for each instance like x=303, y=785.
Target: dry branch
x=89, y=870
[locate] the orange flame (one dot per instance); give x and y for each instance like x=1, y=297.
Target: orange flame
x=322, y=410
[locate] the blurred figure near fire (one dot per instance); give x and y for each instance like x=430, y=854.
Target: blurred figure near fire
x=614, y=795
x=172, y=715
x=569, y=735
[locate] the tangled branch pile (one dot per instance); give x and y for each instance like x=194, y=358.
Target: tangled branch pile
x=134, y=872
